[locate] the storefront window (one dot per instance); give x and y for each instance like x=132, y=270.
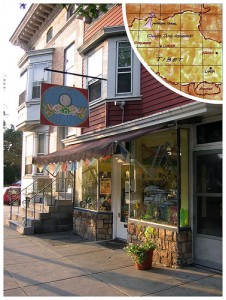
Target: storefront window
x=154, y=178
x=94, y=184
x=104, y=202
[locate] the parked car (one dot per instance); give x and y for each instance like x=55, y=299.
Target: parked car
x=17, y=183
x=13, y=193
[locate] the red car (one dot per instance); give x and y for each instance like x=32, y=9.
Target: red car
x=17, y=183
x=12, y=192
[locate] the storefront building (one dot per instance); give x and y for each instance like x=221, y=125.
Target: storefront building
x=149, y=157
x=167, y=176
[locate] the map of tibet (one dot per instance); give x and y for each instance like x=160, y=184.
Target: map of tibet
x=181, y=45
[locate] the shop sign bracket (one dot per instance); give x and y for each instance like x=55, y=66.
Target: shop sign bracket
x=75, y=74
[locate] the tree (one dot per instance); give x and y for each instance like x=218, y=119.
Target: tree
x=12, y=155
x=87, y=10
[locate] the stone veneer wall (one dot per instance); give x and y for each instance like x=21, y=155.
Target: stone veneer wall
x=174, y=249
x=92, y=225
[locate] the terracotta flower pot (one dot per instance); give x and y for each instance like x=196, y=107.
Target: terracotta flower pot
x=147, y=263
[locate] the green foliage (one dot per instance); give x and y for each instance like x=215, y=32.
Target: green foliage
x=88, y=10
x=12, y=155
x=91, y=10
x=138, y=252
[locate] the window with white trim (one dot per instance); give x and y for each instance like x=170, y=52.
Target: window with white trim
x=124, y=68
x=39, y=76
x=41, y=143
x=69, y=61
x=95, y=69
x=61, y=135
x=49, y=34
x=28, y=154
x=70, y=11
x=22, y=87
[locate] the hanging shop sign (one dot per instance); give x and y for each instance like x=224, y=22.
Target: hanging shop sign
x=64, y=106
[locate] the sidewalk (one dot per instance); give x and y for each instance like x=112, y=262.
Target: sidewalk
x=62, y=264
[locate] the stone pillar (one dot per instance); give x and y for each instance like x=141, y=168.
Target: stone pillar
x=92, y=225
x=174, y=249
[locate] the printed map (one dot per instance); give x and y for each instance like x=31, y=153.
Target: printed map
x=181, y=44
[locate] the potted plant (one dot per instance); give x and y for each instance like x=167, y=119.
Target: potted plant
x=142, y=253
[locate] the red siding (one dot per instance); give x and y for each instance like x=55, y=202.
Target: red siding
x=113, y=17
x=97, y=118
x=157, y=97
x=132, y=111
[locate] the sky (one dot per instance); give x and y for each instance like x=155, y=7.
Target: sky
x=10, y=55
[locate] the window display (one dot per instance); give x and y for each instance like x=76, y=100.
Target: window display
x=154, y=179
x=89, y=184
x=94, y=178
x=104, y=203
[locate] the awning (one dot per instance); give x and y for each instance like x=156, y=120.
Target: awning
x=92, y=149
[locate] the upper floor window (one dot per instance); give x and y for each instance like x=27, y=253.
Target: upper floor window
x=61, y=135
x=69, y=59
x=94, y=65
x=39, y=76
x=28, y=153
x=23, y=84
x=124, y=68
x=70, y=11
x=49, y=34
x=41, y=143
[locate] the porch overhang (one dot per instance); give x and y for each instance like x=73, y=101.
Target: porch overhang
x=94, y=148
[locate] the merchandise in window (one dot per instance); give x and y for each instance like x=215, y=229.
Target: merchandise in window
x=124, y=68
x=94, y=178
x=154, y=179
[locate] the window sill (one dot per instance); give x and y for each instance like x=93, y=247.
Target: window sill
x=92, y=211
x=153, y=224
x=117, y=98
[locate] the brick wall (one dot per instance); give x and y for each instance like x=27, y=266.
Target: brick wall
x=174, y=249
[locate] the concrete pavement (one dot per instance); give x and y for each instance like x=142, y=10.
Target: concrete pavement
x=62, y=264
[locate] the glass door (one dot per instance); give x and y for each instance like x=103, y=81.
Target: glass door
x=122, y=210
x=208, y=209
